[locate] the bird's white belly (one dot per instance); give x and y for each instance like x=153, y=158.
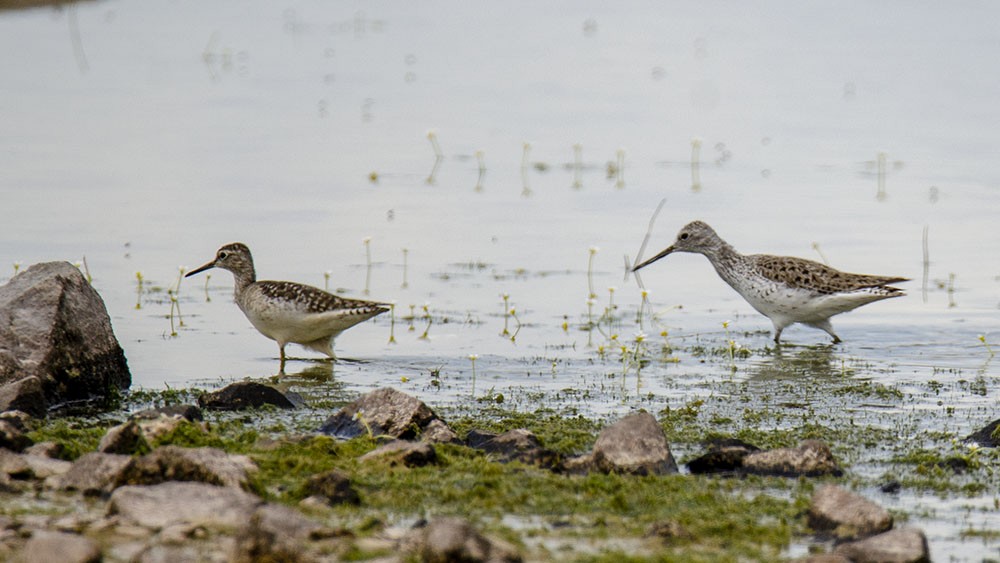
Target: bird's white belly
x=289, y=325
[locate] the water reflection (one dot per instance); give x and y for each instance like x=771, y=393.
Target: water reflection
x=788, y=361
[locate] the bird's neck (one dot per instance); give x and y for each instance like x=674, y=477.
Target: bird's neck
x=726, y=261
x=243, y=281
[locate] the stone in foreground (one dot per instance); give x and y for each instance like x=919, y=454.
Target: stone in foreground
x=723, y=456
x=61, y=547
x=245, y=395
x=174, y=502
x=811, y=458
x=518, y=444
x=383, y=412
x=402, y=452
x=25, y=395
x=988, y=436
x=448, y=539
x=204, y=465
x=903, y=545
x=846, y=515
x=634, y=445
x=334, y=487
x=54, y=326
x=93, y=474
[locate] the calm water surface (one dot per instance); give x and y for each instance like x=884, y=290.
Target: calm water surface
x=141, y=136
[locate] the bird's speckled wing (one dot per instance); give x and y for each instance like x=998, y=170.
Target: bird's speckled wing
x=807, y=274
x=314, y=300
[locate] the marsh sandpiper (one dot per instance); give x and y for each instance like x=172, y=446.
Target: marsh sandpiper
x=286, y=311
x=784, y=289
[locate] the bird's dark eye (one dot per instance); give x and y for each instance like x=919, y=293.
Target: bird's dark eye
x=222, y=255
x=684, y=236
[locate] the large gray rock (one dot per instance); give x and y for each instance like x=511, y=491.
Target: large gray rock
x=634, y=445
x=205, y=465
x=448, y=539
x=61, y=547
x=175, y=502
x=53, y=325
x=25, y=395
x=903, y=545
x=383, y=412
x=846, y=515
x=811, y=458
x=93, y=474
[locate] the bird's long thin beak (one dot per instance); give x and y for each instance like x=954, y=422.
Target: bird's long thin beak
x=201, y=269
x=666, y=251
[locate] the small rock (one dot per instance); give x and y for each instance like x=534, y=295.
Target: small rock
x=668, y=531
x=19, y=419
x=244, y=395
x=823, y=558
x=26, y=395
x=167, y=554
x=401, y=452
x=903, y=545
x=891, y=487
x=188, y=412
x=43, y=467
x=334, y=487
x=811, y=459
x=438, y=432
x=125, y=439
x=45, y=449
x=58, y=546
x=273, y=533
x=385, y=412
x=846, y=515
x=988, y=436
x=635, y=445
x=518, y=445
x=444, y=540
x=93, y=474
x=174, y=502
x=14, y=466
x=12, y=437
x=54, y=326
x=206, y=465
x=723, y=456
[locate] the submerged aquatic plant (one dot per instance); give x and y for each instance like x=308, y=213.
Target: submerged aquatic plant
x=480, y=157
x=392, y=322
x=406, y=253
x=368, y=263
x=472, y=359
x=989, y=349
x=139, y=289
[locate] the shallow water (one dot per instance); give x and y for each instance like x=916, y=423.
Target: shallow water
x=142, y=136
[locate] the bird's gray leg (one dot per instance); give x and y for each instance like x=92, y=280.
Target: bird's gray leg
x=777, y=335
x=281, y=366
x=828, y=328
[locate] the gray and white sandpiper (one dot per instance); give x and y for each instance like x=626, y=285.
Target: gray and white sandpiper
x=784, y=289
x=286, y=311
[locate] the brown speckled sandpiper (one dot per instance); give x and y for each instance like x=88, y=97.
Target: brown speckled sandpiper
x=784, y=289
x=286, y=311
